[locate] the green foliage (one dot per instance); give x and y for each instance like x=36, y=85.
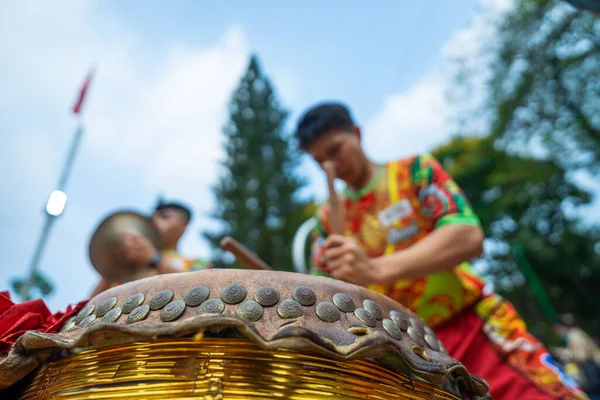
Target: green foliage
x=538, y=74
x=543, y=87
x=525, y=200
x=256, y=194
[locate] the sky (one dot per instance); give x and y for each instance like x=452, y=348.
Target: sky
x=163, y=75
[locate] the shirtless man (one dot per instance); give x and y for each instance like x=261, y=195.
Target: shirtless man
x=171, y=221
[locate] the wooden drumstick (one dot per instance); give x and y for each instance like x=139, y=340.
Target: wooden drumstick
x=337, y=222
x=243, y=255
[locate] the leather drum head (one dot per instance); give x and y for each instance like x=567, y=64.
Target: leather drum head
x=192, y=328
x=105, y=248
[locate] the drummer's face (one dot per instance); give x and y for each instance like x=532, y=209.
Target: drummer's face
x=344, y=150
x=170, y=224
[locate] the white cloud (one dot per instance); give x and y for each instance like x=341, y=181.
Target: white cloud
x=167, y=127
x=417, y=120
x=469, y=40
x=153, y=124
x=409, y=122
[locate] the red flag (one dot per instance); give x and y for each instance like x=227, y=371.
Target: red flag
x=82, y=92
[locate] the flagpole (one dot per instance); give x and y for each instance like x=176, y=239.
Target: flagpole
x=29, y=282
x=62, y=183
x=55, y=204
x=533, y=281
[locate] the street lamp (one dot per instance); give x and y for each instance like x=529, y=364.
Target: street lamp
x=56, y=203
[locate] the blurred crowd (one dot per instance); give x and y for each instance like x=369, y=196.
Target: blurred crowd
x=579, y=355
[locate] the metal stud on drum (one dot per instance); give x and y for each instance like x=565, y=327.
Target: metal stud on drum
x=344, y=302
x=132, y=302
x=112, y=315
x=289, y=308
x=233, y=293
x=266, y=296
x=212, y=306
x=304, y=295
x=138, y=314
x=161, y=299
x=106, y=306
x=172, y=311
x=196, y=295
x=250, y=310
x=327, y=311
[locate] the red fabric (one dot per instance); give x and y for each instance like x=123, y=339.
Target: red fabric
x=16, y=319
x=82, y=92
x=465, y=341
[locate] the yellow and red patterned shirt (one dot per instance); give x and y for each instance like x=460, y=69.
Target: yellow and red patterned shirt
x=404, y=202
x=184, y=264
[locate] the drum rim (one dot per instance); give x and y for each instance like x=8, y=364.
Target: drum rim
x=160, y=353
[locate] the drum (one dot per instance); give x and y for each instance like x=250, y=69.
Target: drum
x=242, y=334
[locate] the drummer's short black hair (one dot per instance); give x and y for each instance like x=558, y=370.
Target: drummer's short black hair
x=172, y=205
x=320, y=119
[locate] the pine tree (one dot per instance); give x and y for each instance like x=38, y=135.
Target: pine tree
x=256, y=194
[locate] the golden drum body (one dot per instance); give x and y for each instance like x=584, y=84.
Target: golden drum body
x=243, y=334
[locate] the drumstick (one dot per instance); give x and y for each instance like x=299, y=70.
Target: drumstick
x=243, y=255
x=337, y=222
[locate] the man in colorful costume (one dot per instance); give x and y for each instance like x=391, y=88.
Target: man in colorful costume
x=410, y=234
x=171, y=221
